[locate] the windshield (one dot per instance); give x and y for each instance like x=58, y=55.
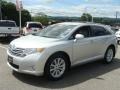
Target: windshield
x=7, y=24
x=56, y=31
x=35, y=25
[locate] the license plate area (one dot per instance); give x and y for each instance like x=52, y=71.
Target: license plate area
x=10, y=59
x=35, y=30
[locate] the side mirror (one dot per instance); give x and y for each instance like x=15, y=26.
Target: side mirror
x=79, y=36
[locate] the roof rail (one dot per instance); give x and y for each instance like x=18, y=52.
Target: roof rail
x=7, y=21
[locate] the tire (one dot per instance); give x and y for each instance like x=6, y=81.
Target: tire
x=118, y=42
x=109, y=55
x=23, y=33
x=54, y=70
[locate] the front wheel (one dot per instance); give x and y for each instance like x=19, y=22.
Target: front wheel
x=118, y=42
x=109, y=55
x=56, y=67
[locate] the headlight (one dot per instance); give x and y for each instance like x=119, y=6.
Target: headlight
x=40, y=49
x=28, y=51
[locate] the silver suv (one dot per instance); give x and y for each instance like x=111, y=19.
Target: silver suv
x=61, y=46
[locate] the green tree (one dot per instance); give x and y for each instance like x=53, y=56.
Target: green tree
x=41, y=17
x=9, y=12
x=26, y=16
x=86, y=17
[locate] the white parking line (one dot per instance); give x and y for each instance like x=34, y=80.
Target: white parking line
x=3, y=47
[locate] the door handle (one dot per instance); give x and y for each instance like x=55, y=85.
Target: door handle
x=9, y=28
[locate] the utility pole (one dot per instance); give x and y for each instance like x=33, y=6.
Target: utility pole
x=20, y=19
x=116, y=15
x=94, y=10
x=1, y=9
x=92, y=19
x=85, y=12
x=19, y=9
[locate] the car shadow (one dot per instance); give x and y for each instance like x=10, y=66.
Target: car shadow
x=76, y=75
x=6, y=40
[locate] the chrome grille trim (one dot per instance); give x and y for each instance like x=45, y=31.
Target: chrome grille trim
x=16, y=51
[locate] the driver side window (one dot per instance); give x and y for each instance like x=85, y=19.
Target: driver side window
x=85, y=30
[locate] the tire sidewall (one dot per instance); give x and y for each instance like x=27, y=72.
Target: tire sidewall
x=47, y=73
x=118, y=42
x=105, y=57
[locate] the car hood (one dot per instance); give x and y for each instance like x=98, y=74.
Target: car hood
x=31, y=41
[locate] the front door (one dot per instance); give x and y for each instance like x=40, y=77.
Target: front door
x=83, y=49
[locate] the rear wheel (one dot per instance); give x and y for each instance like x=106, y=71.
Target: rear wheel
x=109, y=55
x=23, y=33
x=56, y=67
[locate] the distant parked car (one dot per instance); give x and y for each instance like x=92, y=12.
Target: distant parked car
x=58, y=47
x=8, y=28
x=32, y=28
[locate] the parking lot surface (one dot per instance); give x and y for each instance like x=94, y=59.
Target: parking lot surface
x=91, y=76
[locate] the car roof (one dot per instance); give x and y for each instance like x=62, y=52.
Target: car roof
x=6, y=21
x=71, y=23
x=33, y=22
x=81, y=23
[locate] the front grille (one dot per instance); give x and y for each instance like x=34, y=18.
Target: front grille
x=17, y=51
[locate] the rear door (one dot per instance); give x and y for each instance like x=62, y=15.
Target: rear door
x=100, y=37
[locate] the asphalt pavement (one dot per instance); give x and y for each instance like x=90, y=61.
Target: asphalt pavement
x=91, y=76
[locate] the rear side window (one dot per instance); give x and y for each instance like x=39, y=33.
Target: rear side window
x=99, y=31
x=7, y=24
x=34, y=25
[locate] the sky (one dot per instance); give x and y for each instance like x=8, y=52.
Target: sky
x=97, y=8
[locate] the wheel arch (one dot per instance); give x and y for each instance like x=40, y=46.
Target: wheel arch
x=57, y=53
x=112, y=46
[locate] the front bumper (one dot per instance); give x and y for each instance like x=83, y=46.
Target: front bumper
x=32, y=64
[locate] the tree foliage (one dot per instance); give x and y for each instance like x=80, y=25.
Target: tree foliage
x=41, y=17
x=86, y=17
x=9, y=12
x=25, y=16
